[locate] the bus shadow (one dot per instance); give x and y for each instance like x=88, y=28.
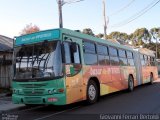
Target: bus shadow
x=52, y=108
x=127, y=92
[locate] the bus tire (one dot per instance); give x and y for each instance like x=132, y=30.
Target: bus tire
x=130, y=84
x=151, y=79
x=92, y=92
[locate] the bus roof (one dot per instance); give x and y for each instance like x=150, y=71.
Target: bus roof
x=55, y=34
x=94, y=39
x=147, y=52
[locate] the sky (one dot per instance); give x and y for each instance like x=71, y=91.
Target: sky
x=16, y=14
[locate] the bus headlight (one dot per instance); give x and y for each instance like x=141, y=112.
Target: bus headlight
x=50, y=91
x=14, y=91
x=54, y=90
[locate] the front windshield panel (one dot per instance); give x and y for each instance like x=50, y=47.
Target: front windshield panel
x=41, y=60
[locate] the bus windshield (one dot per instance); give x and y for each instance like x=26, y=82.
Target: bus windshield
x=41, y=60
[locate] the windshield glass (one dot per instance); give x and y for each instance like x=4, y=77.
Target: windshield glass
x=40, y=60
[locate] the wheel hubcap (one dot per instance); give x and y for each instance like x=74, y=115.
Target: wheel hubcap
x=92, y=92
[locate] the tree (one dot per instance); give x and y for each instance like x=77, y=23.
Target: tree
x=100, y=35
x=151, y=46
x=88, y=31
x=114, y=35
x=155, y=32
x=119, y=36
x=140, y=36
x=30, y=29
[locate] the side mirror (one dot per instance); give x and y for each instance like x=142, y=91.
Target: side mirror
x=73, y=47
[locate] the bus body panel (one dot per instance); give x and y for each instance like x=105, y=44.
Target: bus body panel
x=75, y=88
x=125, y=72
x=38, y=92
x=103, y=74
x=148, y=66
x=70, y=89
x=138, y=68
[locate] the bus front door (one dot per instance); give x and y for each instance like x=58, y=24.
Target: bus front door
x=73, y=70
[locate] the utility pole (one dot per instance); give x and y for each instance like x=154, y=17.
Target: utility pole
x=60, y=4
x=105, y=21
x=104, y=15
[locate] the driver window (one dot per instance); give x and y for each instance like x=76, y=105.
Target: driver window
x=72, y=59
x=67, y=53
x=76, y=56
x=70, y=56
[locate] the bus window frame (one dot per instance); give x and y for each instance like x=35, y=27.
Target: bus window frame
x=113, y=56
x=72, y=64
x=105, y=55
x=84, y=52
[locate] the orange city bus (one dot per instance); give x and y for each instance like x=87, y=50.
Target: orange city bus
x=62, y=66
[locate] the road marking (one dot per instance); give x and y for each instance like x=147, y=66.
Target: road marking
x=56, y=113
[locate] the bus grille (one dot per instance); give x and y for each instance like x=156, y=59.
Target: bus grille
x=34, y=92
x=32, y=85
x=33, y=100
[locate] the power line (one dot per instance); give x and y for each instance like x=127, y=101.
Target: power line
x=70, y=1
x=74, y=1
x=121, y=9
x=137, y=15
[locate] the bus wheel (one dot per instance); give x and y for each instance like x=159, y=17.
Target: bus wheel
x=92, y=92
x=151, y=79
x=130, y=83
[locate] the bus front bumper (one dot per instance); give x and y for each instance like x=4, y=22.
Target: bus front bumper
x=56, y=99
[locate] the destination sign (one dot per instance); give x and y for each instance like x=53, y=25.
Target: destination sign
x=38, y=37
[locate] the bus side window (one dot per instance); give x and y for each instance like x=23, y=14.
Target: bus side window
x=71, y=57
x=90, y=55
x=67, y=53
x=114, y=60
x=76, y=55
x=122, y=57
x=103, y=57
x=142, y=60
x=148, y=61
x=130, y=58
x=152, y=61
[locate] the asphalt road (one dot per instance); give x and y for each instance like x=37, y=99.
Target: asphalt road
x=142, y=103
